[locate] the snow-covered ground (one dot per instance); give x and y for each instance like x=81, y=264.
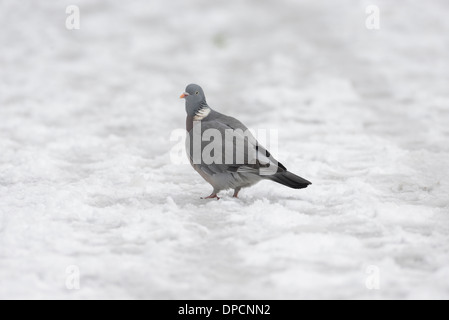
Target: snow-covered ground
x=86, y=178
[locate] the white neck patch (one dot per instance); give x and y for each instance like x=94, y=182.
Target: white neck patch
x=201, y=114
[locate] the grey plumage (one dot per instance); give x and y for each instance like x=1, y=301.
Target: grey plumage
x=255, y=163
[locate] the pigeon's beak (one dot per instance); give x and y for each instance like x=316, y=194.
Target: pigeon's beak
x=185, y=94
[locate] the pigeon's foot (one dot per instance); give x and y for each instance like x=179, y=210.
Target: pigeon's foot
x=236, y=193
x=212, y=196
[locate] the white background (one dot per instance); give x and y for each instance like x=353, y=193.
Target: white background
x=86, y=178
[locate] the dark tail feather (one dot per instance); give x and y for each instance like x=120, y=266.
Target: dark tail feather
x=290, y=180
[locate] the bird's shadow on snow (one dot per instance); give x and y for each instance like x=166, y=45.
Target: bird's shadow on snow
x=245, y=200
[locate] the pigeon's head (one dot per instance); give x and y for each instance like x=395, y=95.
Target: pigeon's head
x=195, y=99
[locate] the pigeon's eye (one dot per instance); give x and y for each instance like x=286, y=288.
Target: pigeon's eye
x=197, y=93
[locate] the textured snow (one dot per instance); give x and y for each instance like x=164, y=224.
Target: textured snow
x=86, y=178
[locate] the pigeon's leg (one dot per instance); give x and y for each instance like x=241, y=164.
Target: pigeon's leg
x=212, y=196
x=236, y=192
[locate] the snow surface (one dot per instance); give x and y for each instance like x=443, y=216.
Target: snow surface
x=86, y=178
